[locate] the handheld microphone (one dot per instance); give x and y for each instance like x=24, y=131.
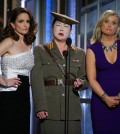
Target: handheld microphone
x=69, y=42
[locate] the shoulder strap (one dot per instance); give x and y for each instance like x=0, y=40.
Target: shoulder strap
x=53, y=58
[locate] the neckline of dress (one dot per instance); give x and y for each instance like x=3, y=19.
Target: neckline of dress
x=16, y=55
x=105, y=56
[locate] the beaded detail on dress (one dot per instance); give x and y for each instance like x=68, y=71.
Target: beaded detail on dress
x=14, y=65
x=22, y=61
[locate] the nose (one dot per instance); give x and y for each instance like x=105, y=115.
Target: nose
x=25, y=24
x=61, y=28
x=109, y=24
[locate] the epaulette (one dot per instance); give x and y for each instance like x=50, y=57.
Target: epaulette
x=74, y=48
x=51, y=45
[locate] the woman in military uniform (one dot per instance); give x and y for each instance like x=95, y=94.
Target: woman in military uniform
x=49, y=82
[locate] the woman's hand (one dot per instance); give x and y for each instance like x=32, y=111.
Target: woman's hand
x=77, y=84
x=12, y=82
x=42, y=115
x=112, y=101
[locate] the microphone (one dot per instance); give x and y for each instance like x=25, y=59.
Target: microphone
x=65, y=53
x=69, y=42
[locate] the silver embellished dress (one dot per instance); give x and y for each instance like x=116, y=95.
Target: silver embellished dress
x=15, y=102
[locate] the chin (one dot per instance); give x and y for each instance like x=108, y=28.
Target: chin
x=61, y=40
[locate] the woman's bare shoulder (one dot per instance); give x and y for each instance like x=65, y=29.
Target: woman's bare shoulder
x=7, y=41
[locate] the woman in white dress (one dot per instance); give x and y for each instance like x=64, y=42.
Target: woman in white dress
x=16, y=62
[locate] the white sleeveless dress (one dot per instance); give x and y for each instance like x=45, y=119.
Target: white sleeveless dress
x=15, y=102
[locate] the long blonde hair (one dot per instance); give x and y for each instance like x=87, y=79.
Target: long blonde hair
x=97, y=30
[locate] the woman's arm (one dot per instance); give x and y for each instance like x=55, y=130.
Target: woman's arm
x=91, y=75
x=5, y=45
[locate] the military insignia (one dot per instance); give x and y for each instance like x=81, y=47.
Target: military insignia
x=75, y=60
x=74, y=48
x=63, y=20
x=51, y=45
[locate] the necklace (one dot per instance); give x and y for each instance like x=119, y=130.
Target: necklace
x=114, y=46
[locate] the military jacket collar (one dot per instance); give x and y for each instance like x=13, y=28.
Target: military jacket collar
x=54, y=49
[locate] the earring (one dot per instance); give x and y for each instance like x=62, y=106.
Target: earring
x=117, y=31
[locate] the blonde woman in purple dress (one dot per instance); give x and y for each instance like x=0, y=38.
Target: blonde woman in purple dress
x=103, y=72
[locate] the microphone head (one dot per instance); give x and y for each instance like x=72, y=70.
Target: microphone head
x=69, y=41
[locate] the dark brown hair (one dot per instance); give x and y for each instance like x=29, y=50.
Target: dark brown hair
x=8, y=31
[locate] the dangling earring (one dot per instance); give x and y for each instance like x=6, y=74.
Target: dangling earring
x=117, y=32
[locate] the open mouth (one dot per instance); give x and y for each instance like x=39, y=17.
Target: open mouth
x=61, y=34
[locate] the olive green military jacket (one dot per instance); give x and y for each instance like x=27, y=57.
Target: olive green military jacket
x=52, y=98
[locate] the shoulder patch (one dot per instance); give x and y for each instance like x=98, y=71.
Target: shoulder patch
x=74, y=48
x=51, y=45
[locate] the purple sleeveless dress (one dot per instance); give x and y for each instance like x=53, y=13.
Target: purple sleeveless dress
x=106, y=120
